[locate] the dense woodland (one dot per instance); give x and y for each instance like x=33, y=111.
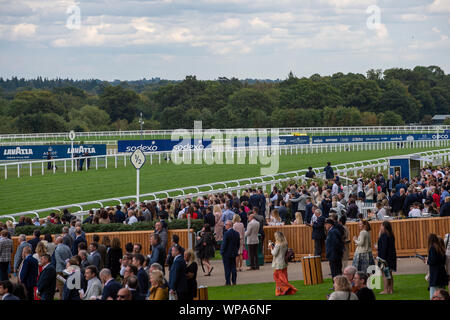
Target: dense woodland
x=393, y=97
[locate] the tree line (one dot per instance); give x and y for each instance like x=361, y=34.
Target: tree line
x=393, y=97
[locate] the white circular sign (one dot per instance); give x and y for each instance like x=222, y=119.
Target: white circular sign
x=72, y=135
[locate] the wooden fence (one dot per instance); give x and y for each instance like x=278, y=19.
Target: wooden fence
x=411, y=236
x=142, y=237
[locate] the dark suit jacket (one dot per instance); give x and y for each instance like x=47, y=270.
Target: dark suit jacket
x=209, y=219
x=334, y=244
x=158, y=255
x=111, y=289
x=445, y=210
x=230, y=244
x=396, y=202
x=438, y=274
x=318, y=231
x=143, y=281
x=386, y=250
x=136, y=295
x=177, y=276
x=253, y=201
x=29, y=272
x=47, y=282
x=76, y=242
x=34, y=243
x=10, y=297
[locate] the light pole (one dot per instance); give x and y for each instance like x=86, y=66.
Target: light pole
x=141, y=122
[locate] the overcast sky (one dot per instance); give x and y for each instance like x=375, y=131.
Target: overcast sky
x=133, y=39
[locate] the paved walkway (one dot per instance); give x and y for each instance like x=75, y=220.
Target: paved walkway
x=265, y=273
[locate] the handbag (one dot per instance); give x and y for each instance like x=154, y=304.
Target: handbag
x=245, y=254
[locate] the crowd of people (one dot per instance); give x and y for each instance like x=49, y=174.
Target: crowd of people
x=234, y=224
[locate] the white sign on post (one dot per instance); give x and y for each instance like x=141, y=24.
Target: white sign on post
x=137, y=160
x=71, y=137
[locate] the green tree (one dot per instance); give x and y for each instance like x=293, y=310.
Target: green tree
x=119, y=103
x=390, y=118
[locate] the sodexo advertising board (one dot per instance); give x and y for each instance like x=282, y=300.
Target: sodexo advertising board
x=162, y=145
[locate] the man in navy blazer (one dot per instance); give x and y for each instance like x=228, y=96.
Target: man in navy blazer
x=46, y=284
x=78, y=239
x=29, y=272
x=177, y=275
x=138, y=261
x=318, y=231
x=35, y=240
x=110, y=286
x=334, y=247
x=229, y=250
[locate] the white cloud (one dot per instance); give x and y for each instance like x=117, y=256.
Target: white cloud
x=440, y=6
x=257, y=23
x=413, y=17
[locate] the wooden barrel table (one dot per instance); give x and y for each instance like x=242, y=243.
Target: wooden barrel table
x=202, y=293
x=312, y=270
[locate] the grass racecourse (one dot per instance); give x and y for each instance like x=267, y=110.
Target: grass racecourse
x=42, y=191
x=406, y=287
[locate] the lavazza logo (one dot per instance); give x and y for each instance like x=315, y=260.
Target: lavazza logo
x=17, y=151
x=81, y=149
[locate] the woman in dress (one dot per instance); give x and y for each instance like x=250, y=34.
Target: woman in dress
x=346, y=240
x=363, y=254
x=206, y=247
x=238, y=226
x=275, y=219
x=436, y=262
x=191, y=274
x=218, y=227
x=387, y=252
x=113, y=257
x=278, y=251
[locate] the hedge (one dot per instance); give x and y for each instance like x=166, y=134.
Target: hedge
x=111, y=227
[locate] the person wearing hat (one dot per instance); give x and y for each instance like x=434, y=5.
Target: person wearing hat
x=334, y=247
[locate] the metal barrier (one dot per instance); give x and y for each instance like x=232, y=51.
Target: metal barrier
x=344, y=170
x=288, y=130
x=68, y=164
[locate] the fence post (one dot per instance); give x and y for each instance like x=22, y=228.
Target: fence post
x=106, y=162
x=65, y=166
x=54, y=166
x=6, y=172
x=31, y=169
x=115, y=161
x=42, y=168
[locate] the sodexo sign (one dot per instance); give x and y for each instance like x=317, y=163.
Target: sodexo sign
x=55, y=151
x=161, y=145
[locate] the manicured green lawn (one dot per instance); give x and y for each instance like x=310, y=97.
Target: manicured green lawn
x=42, y=191
x=406, y=287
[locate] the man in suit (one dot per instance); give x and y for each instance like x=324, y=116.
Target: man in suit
x=177, y=274
x=67, y=238
x=445, y=209
x=301, y=203
x=94, y=257
x=60, y=255
x=132, y=285
x=110, y=286
x=158, y=254
x=6, y=250
x=252, y=241
x=142, y=275
x=6, y=289
x=101, y=249
x=229, y=250
x=78, y=239
x=162, y=232
x=262, y=203
x=318, y=232
x=47, y=279
x=334, y=248
x=94, y=285
x=29, y=272
x=175, y=242
x=253, y=200
x=33, y=242
x=329, y=173
x=18, y=256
